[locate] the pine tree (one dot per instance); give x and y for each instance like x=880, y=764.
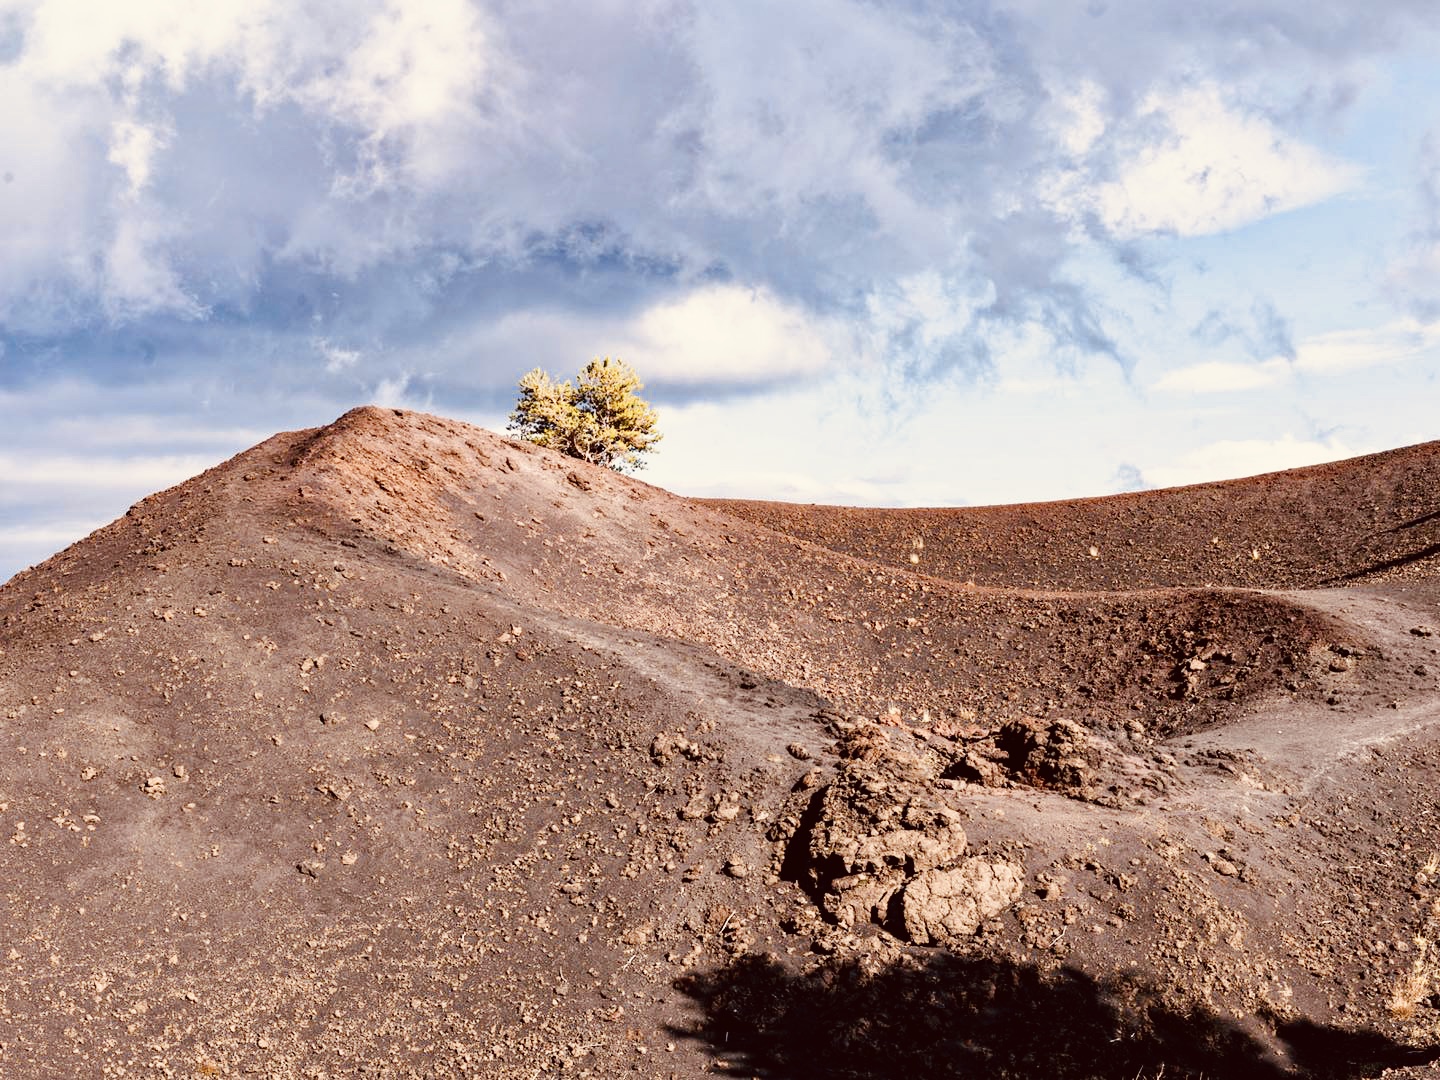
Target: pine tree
x=601, y=418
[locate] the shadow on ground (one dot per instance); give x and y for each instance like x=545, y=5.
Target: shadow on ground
x=953, y=1017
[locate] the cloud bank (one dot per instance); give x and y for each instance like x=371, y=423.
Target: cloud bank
x=355, y=182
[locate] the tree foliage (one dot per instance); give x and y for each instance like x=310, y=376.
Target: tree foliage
x=600, y=418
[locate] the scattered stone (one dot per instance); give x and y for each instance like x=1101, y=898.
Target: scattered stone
x=154, y=786
x=737, y=868
x=1423, y=631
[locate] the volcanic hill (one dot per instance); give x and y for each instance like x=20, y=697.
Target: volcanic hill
x=398, y=749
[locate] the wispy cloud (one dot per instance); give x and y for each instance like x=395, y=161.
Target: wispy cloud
x=1220, y=376
x=1337, y=353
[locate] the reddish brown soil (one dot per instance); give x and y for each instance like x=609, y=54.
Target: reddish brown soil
x=1366, y=519
x=395, y=748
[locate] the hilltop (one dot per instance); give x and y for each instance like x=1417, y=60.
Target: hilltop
x=398, y=748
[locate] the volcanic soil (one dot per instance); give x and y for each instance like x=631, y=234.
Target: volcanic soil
x=398, y=749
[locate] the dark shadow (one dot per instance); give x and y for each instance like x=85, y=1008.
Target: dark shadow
x=947, y=1016
x=1385, y=564
x=1416, y=521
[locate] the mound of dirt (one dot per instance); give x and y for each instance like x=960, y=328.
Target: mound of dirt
x=396, y=748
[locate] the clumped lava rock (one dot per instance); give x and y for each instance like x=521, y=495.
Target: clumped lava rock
x=1057, y=754
x=941, y=906
x=879, y=844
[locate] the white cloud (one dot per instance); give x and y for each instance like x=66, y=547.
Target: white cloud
x=1232, y=458
x=1351, y=350
x=1336, y=353
x=1080, y=117
x=49, y=537
x=1221, y=376
x=138, y=278
x=712, y=334
x=725, y=333
x=1213, y=168
x=391, y=393
x=132, y=149
x=142, y=475
x=337, y=359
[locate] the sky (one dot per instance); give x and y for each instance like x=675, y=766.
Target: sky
x=905, y=253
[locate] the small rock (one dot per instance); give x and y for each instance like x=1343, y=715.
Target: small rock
x=181, y=773
x=812, y=779
x=1423, y=631
x=372, y=724
x=737, y=868
x=798, y=752
x=1222, y=866
x=154, y=786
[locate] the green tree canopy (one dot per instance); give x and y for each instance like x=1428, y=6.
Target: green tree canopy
x=601, y=418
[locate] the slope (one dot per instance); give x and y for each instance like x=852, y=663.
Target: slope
x=1366, y=518
x=396, y=748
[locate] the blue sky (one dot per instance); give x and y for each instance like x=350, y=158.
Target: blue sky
x=901, y=253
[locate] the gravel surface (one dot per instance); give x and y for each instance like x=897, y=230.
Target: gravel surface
x=398, y=749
